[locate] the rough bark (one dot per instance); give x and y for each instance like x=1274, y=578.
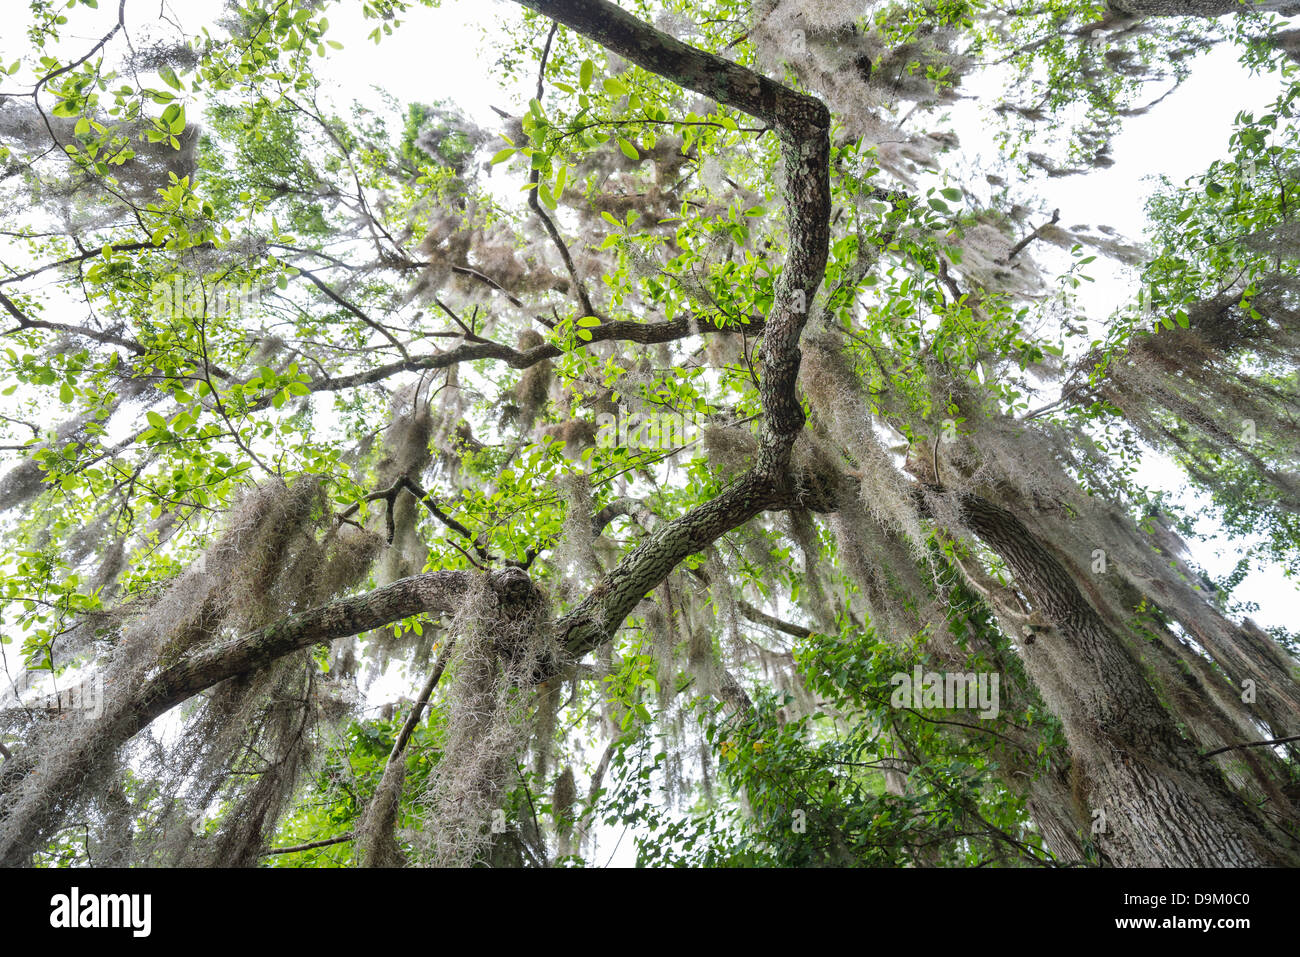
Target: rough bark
x=1197, y=694
x=1163, y=806
x=1201, y=8
x=598, y=617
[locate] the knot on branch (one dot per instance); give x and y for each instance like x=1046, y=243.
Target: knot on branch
x=513, y=593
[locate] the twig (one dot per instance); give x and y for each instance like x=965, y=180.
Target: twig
x=417, y=709
x=339, y=300
x=1015, y=251
x=1252, y=744
x=580, y=290
x=310, y=845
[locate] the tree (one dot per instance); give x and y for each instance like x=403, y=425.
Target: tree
x=718, y=468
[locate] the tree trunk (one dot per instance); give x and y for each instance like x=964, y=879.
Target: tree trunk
x=1155, y=802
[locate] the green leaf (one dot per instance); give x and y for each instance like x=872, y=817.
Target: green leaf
x=615, y=87
x=628, y=149
x=66, y=393
x=585, y=73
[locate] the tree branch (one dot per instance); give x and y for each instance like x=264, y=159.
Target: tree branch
x=601, y=614
x=803, y=124
x=340, y=301
x=645, y=333
x=1015, y=250
x=309, y=846
x=377, y=846
x=440, y=591
x=1252, y=744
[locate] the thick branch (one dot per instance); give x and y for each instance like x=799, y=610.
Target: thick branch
x=1200, y=8
x=714, y=77
x=24, y=322
x=1019, y=247
x=30, y=825
x=620, y=330
x=79, y=258
x=760, y=617
x=601, y=614
x=432, y=592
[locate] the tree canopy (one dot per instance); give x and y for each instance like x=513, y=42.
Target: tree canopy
x=715, y=449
